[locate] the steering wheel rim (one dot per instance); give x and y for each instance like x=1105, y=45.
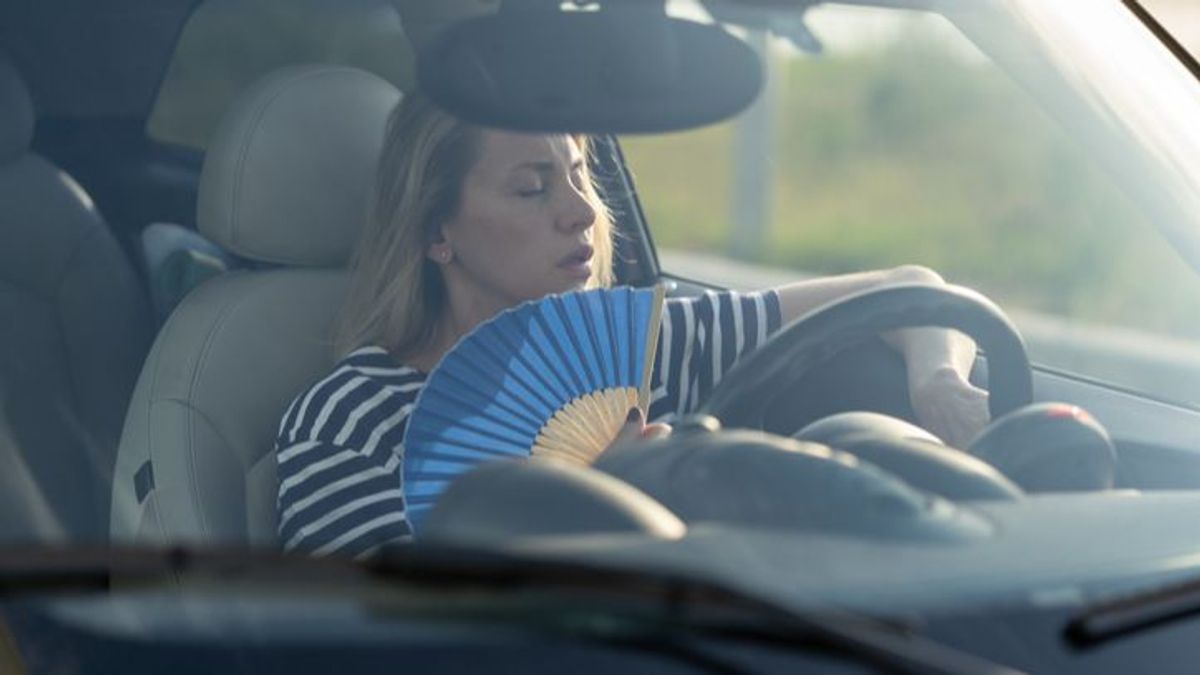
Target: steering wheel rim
x=815, y=337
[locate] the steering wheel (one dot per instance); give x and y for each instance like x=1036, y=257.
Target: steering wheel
x=742, y=398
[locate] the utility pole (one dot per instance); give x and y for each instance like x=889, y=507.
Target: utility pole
x=753, y=140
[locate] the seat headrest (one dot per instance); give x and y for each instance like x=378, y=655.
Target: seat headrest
x=289, y=173
x=16, y=118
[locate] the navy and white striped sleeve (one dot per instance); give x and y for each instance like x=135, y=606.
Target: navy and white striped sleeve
x=339, y=460
x=701, y=339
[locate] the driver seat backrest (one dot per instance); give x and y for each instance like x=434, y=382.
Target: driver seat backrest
x=285, y=183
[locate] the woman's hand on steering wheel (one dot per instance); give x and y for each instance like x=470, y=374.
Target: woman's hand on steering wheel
x=949, y=406
x=741, y=398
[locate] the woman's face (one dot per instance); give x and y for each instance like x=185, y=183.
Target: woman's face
x=524, y=225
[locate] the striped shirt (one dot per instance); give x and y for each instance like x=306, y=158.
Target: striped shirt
x=339, y=444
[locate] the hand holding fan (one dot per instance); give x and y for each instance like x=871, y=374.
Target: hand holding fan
x=553, y=378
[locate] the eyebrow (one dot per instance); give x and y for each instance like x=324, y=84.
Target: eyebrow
x=546, y=167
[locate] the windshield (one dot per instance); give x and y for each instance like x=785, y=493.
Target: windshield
x=1012, y=151
x=238, y=279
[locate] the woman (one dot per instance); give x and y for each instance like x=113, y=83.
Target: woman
x=468, y=222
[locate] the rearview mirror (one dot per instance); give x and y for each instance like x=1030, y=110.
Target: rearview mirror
x=625, y=67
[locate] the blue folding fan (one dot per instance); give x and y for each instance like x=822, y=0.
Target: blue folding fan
x=552, y=378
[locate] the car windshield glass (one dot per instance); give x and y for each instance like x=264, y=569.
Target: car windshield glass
x=1011, y=151
x=924, y=311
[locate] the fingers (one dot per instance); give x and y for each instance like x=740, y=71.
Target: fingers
x=972, y=415
x=956, y=414
x=965, y=418
x=636, y=429
x=655, y=431
x=632, y=430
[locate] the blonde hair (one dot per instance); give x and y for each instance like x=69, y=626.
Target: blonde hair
x=396, y=293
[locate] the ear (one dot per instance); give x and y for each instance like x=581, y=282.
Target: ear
x=439, y=249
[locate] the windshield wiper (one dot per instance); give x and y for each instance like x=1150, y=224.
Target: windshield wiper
x=684, y=603
x=1132, y=614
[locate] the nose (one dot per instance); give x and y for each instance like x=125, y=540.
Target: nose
x=578, y=212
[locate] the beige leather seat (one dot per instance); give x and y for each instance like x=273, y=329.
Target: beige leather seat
x=286, y=181
x=74, y=328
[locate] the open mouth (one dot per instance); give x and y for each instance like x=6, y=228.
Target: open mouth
x=581, y=255
x=578, y=263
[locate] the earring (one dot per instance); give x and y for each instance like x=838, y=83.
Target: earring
x=445, y=256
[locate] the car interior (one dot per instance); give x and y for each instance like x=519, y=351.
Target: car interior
x=167, y=303
x=77, y=328
x=234, y=353
x=277, y=196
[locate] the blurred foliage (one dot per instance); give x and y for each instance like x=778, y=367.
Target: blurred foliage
x=908, y=155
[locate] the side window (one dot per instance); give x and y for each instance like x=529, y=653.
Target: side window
x=228, y=44
x=902, y=143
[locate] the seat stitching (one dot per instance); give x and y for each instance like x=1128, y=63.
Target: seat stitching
x=184, y=403
x=215, y=328
x=201, y=362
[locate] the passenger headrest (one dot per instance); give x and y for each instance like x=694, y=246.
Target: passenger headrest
x=289, y=173
x=16, y=113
